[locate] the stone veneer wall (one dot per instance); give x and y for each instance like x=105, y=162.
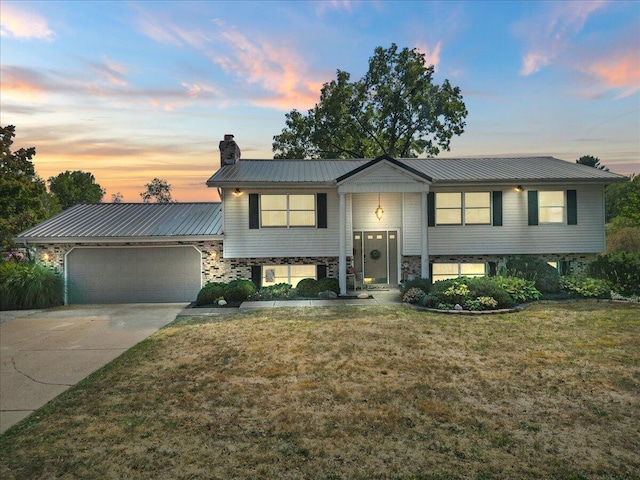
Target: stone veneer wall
x=578, y=263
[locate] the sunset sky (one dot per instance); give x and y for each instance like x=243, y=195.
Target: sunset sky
x=132, y=90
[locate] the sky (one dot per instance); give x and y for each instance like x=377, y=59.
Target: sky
x=130, y=91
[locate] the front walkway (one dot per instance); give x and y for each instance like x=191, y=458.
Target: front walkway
x=379, y=297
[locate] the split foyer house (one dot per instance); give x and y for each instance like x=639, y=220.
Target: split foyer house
x=364, y=221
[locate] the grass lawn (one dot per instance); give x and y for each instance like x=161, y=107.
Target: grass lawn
x=354, y=393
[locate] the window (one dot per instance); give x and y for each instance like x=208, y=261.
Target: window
x=445, y=271
x=477, y=208
x=475, y=205
x=551, y=207
x=292, y=274
x=288, y=210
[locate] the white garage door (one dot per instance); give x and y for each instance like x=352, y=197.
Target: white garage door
x=133, y=275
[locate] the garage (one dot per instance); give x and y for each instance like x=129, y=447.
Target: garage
x=133, y=274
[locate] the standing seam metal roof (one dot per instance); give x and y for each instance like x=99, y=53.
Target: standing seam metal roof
x=130, y=220
x=441, y=170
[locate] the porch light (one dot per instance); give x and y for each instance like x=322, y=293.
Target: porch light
x=237, y=192
x=519, y=188
x=379, y=211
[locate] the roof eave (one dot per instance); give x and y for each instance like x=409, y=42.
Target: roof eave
x=116, y=240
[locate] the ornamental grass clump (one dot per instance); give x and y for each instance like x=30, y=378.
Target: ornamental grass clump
x=29, y=285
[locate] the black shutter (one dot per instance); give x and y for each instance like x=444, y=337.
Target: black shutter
x=256, y=275
x=533, y=207
x=493, y=269
x=497, y=208
x=254, y=211
x=565, y=268
x=431, y=271
x=321, y=212
x=431, y=209
x=321, y=271
x=572, y=207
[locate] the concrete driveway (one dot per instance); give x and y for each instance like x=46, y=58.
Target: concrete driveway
x=43, y=353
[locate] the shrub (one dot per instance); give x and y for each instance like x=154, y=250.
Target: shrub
x=622, y=270
x=273, y=292
x=586, y=287
x=329, y=283
x=413, y=295
x=238, y=290
x=531, y=267
x=29, y=285
x=488, y=287
x=211, y=293
x=479, y=293
x=423, y=284
x=625, y=239
x=520, y=289
x=308, y=287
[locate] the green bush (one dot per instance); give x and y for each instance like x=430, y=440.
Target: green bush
x=211, y=293
x=586, y=287
x=423, y=284
x=480, y=293
x=621, y=270
x=532, y=267
x=308, y=287
x=238, y=290
x=520, y=289
x=29, y=285
x=329, y=283
x=273, y=292
x=413, y=295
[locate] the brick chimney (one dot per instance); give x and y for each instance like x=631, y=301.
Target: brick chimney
x=229, y=151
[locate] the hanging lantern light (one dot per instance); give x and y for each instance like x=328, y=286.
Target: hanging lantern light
x=379, y=211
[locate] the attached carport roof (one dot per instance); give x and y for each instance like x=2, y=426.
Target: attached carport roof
x=129, y=222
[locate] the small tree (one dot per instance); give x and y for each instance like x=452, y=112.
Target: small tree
x=71, y=188
x=116, y=197
x=591, y=161
x=159, y=190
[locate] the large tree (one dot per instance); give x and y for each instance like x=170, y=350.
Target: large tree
x=591, y=161
x=71, y=188
x=394, y=109
x=24, y=200
x=158, y=190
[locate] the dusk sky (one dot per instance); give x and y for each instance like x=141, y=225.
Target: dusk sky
x=131, y=90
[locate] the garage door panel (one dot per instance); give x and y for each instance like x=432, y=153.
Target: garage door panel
x=133, y=275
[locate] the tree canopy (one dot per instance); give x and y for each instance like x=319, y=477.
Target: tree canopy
x=394, y=109
x=591, y=161
x=71, y=188
x=158, y=190
x=24, y=200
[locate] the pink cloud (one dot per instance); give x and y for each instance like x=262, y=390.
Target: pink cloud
x=547, y=36
x=431, y=55
x=620, y=71
x=23, y=23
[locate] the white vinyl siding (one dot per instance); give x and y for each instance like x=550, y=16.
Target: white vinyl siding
x=242, y=242
x=515, y=236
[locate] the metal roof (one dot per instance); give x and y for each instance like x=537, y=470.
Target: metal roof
x=110, y=222
x=441, y=170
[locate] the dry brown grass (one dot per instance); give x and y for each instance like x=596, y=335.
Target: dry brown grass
x=354, y=392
